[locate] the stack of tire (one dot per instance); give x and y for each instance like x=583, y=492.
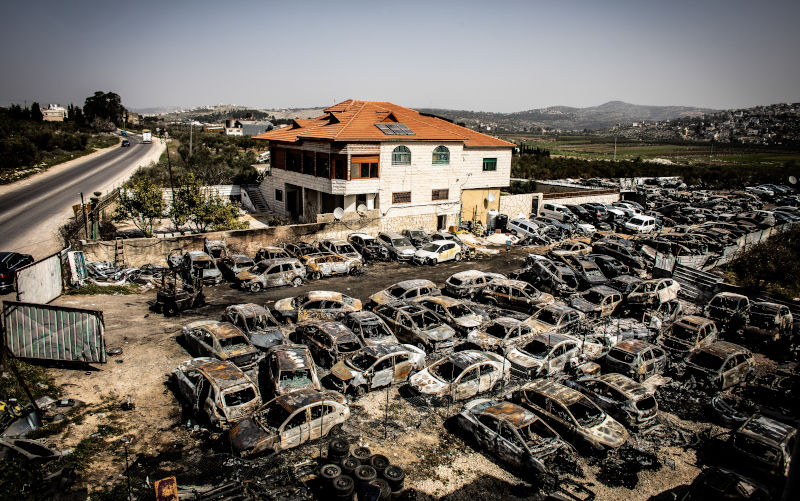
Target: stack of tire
x=370, y=477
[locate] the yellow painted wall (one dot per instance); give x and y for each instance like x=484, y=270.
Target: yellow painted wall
x=475, y=202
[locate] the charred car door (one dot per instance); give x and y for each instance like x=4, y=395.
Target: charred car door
x=295, y=430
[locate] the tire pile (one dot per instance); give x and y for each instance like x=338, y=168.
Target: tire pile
x=359, y=473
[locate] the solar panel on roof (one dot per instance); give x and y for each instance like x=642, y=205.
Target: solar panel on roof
x=395, y=129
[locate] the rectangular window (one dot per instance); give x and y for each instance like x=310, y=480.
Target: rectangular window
x=308, y=163
x=340, y=167
x=278, y=159
x=279, y=195
x=439, y=194
x=364, y=167
x=323, y=165
x=403, y=197
x=293, y=161
x=489, y=164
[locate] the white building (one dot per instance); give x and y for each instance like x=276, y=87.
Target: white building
x=416, y=170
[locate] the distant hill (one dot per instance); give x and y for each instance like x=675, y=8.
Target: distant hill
x=569, y=118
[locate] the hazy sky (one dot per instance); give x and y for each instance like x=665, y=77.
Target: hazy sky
x=484, y=55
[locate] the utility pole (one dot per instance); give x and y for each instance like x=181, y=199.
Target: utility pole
x=85, y=222
x=169, y=165
x=191, y=128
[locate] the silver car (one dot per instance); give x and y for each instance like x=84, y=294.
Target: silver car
x=273, y=273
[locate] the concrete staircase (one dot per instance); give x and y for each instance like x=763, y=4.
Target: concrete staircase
x=256, y=197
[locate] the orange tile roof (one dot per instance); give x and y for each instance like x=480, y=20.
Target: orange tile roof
x=351, y=121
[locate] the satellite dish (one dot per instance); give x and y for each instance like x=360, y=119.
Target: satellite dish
x=338, y=212
x=792, y=180
x=361, y=209
x=491, y=197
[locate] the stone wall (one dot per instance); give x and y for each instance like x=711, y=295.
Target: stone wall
x=511, y=205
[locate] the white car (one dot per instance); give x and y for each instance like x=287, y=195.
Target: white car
x=654, y=292
x=460, y=376
x=640, y=224
x=438, y=251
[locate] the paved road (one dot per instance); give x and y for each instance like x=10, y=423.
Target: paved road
x=31, y=213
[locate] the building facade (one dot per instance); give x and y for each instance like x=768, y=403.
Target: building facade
x=54, y=113
x=416, y=170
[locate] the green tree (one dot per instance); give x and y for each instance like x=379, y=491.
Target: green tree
x=106, y=106
x=186, y=200
x=142, y=204
x=36, y=112
x=217, y=214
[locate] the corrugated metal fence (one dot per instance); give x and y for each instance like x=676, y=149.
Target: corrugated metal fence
x=49, y=332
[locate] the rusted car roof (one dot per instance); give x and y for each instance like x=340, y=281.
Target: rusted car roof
x=693, y=321
x=363, y=316
x=632, y=345
x=731, y=295
x=415, y=283
x=604, y=289
x=249, y=310
x=511, y=282
x=558, y=308
x=445, y=301
x=380, y=350
x=552, y=338
x=317, y=295
x=765, y=428
x=464, y=359
x=722, y=349
x=223, y=373
x=507, y=322
x=625, y=385
x=336, y=330
x=291, y=356
x=240, y=258
x=301, y=398
x=556, y=391
x=512, y=413
x=222, y=330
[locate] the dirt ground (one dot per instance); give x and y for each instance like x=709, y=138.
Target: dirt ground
x=439, y=464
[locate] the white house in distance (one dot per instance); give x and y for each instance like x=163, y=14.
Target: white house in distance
x=416, y=170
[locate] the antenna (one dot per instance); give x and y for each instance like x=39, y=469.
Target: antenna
x=338, y=212
x=361, y=209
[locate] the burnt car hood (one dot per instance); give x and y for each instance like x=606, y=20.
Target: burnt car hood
x=245, y=276
x=520, y=359
x=343, y=372
x=426, y=384
x=583, y=305
x=441, y=333
x=247, y=438
x=266, y=340
x=609, y=433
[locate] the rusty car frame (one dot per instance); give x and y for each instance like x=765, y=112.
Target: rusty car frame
x=376, y=366
x=222, y=340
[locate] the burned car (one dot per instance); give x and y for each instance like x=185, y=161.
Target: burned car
x=273, y=273
x=600, y=301
x=720, y=365
x=575, y=248
x=729, y=310
x=368, y=247
x=686, y=334
x=625, y=284
x=611, y=267
x=623, y=398
x=300, y=250
x=764, y=444
x=288, y=368
x=267, y=253
x=545, y=354
x=369, y=328
x=625, y=253
x=510, y=432
x=652, y=293
x=288, y=421
x=636, y=359
x=329, y=342
x=461, y=316
x=555, y=317
x=257, y=323
x=376, y=366
x=328, y=265
x=217, y=249
x=514, y=294
x=571, y=414
x=216, y=391
x=407, y=289
x=222, y=340
x=418, y=238
x=768, y=322
x=465, y=284
x=199, y=264
x=500, y=335
x=342, y=248
x=399, y=247
x=588, y=273
x=555, y=278
x=316, y=305
x=460, y=376
x=414, y=324
x=230, y=266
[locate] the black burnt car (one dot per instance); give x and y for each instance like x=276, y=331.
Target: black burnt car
x=418, y=238
x=611, y=267
x=369, y=247
x=10, y=262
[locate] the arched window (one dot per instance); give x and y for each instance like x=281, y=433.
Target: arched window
x=401, y=156
x=441, y=155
